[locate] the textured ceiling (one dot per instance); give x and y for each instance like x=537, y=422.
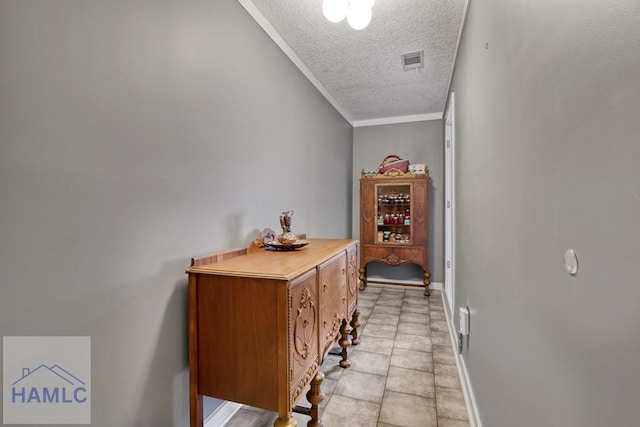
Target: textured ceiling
x=361, y=72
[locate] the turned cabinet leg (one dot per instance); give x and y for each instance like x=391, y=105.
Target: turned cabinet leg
x=355, y=325
x=363, y=277
x=285, y=420
x=344, y=343
x=427, y=282
x=315, y=397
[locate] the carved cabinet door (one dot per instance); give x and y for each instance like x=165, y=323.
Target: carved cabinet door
x=332, y=280
x=367, y=212
x=352, y=278
x=303, y=332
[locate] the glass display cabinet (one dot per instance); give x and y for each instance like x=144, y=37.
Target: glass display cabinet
x=394, y=221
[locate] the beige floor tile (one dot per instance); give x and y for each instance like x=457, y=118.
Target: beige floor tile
x=439, y=325
x=440, y=338
x=448, y=422
x=366, y=302
x=446, y=375
x=387, y=319
x=345, y=411
x=436, y=307
x=301, y=419
x=330, y=367
x=450, y=403
x=367, y=297
x=443, y=355
x=410, y=328
x=327, y=387
x=252, y=417
x=416, y=301
x=407, y=308
x=414, y=317
x=360, y=385
x=373, y=289
x=406, y=410
x=415, y=293
x=386, y=309
x=410, y=359
x=413, y=342
x=411, y=382
x=365, y=312
x=437, y=315
x=379, y=330
x=435, y=299
x=255, y=417
x=378, y=345
x=392, y=301
x=392, y=288
x=371, y=363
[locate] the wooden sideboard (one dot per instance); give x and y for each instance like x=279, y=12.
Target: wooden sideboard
x=262, y=321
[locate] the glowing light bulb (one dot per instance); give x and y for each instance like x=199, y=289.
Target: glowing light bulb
x=359, y=14
x=335, y=10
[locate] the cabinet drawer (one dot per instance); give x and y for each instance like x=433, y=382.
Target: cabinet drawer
x=332, y=276
x=393, y=255
x=331, y=314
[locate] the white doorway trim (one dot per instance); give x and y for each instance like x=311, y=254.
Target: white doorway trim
x=449, y=198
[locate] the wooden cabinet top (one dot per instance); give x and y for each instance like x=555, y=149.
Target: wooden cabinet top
x=393, y=175
x=271, y=264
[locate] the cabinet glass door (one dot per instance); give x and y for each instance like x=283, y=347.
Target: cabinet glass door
x=393, y=214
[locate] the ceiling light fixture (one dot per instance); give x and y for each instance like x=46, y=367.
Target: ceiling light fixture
x=357, y=12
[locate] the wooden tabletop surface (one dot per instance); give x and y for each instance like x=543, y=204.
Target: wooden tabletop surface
x=279, y=265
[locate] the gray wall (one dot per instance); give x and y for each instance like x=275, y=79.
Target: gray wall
x=419, y=142
x=134, y=135
x=547, y=159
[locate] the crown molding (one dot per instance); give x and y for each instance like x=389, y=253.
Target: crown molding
x=398, y=119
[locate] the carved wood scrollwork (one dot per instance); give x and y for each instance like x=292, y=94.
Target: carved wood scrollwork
x=304, y=324
x=367, y=212
x=395, y=172
x=392, y=259
x=303, y=382
x=352, y=275
x=335, y=326
x=420, y=213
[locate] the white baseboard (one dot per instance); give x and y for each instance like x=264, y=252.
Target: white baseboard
x=222, y=414
x=437, y=286
x=467, y=390
x=472, y=406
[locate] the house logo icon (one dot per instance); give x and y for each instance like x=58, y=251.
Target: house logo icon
x=46, y=380
x=48, y=384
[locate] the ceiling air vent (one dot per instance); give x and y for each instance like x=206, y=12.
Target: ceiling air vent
x=412, y=60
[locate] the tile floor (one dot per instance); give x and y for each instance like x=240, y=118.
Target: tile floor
x=402, y=374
